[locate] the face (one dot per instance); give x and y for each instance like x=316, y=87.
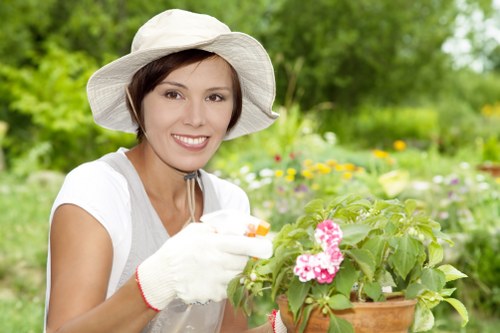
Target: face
x=186, y=116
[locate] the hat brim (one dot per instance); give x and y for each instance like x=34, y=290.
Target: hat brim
x=106, y=87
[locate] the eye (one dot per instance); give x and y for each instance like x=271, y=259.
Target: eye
x=215, y=98
x=172, y=94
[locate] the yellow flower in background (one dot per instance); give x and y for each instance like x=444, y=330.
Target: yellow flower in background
x=347, y=175
x=290, y=178
x=315, y=187
x=307, y=174
x=350, y=167
x=279, y=173
x=399, y=145
x=339, y=167
x=331, y=163
x=497, y=180
x=291, y=172
x=489, y=110
x=323, y=168
x=380, y=154
x=307, y=163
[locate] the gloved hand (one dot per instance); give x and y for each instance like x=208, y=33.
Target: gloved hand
x=196, y=265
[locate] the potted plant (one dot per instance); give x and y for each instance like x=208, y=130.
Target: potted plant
x=348, y=254
x=490, y=156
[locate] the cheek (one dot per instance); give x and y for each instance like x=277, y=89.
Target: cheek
x=221, y=121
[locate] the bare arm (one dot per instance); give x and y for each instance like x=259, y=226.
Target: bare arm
x=81, y=261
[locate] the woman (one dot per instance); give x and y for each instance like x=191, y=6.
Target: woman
x=125, y=254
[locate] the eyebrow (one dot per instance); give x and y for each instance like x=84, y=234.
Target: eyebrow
x=180, y=85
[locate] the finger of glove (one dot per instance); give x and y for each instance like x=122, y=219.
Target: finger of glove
x=228, y=221
x=200, y=293
x=229, y=261
x=249, y=246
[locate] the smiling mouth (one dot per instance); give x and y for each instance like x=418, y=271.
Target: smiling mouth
x=190, y=140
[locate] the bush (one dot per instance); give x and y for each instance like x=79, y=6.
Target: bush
x=372, y=127
x=50, y=122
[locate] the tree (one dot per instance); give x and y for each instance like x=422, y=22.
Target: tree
x=383, y=50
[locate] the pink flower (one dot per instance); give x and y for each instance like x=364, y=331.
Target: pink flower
x=326, y=269
x=328, y=234
x=324, y=265
x=304, y=267
x=321, y=266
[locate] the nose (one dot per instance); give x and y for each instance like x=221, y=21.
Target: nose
x=195, y=114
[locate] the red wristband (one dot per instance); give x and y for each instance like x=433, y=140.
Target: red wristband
x=272, y=319
x=142, y=292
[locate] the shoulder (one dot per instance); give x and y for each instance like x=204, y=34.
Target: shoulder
x=98, y=189
x=94, y=180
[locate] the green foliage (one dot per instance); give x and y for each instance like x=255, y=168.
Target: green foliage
x=51, y=123
x=24, y=24
x=359, y=53
x=491, y=149
x=25, y=205
x=417, y=126
x=354, y=50
x=386, y=243
x=480, y=261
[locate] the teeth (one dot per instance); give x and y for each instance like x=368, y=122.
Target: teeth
x=191, y=141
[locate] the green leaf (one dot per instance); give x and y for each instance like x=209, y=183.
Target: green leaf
x=338, y=324
x=339, y=302
x=410, y=206
x=376, y=245
x=447, y=292
x=386, y=280
x=306, y=313
x=451, y=273
x=345, y=278
x=264, y=268
x=433, y=279
x=436, y=254
x=296, y=294
x=405, y=255
x=414, y=290
x=374, y=291
x=365, y=260
x=462, y=311
x=424, y=319
x=314, y=206
x=235, y=290
x=354, y=233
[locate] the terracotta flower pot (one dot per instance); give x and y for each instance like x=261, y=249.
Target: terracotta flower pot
x=492, y=169
x=392, y=316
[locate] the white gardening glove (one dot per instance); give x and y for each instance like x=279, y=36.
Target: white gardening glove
x=196, y=265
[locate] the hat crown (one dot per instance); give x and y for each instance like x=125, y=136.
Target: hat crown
x=177, y=27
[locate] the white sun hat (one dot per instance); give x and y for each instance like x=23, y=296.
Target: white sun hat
x=173, y=31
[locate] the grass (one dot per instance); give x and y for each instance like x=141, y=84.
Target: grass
x=25, y=206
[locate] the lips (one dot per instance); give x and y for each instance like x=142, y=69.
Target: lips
x=190, y=141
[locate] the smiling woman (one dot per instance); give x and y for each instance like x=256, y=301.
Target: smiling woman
x=126, y=253
x=188, y=113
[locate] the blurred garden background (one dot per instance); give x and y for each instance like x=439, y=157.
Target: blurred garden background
x=394, y=98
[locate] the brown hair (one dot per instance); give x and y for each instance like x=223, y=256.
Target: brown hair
x=149, y=76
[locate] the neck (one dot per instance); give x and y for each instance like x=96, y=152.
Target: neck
x=159, y=178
